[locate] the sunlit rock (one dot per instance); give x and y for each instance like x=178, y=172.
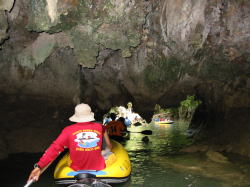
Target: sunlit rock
x=46, y=15
x=216, y=157
x=6, y=4
x=182, y=24
x=194, y=164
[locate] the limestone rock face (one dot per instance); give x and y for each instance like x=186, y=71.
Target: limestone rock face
x=92, y=25
x=110, y=52
x=4, y=6
x=3, y=27
x=187, y=47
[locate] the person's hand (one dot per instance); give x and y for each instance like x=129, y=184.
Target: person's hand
x=35, y=174
x=105, y=151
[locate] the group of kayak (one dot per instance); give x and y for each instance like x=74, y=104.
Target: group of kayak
x=163, y=121
x=118, y=166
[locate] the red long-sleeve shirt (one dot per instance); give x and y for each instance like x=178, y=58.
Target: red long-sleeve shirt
x=84, y=141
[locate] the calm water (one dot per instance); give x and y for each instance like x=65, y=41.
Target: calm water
x=155, y=163
x=149, y=169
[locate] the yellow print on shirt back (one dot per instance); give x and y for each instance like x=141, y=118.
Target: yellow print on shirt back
x=86, y=130
x=87, y=149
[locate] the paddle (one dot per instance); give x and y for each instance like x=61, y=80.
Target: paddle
x=146, y=132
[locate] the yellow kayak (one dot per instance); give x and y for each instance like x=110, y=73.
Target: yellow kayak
x=118, y=168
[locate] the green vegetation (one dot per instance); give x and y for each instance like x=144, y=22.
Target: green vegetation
x=159, y=110
x=187, y=107
x=114, y=110
x=184, y=112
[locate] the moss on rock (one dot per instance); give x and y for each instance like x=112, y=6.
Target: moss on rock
x=85, y=49
x=92, y=25
x=163, y=71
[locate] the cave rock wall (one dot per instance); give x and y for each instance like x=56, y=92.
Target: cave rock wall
x=111, y=52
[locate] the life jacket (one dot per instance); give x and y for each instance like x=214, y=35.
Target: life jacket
x=115, y=128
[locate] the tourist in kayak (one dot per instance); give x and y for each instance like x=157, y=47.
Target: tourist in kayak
x=84, y=141
x=122, y=120
x=106, y=119
x=127, y=122
x=115, y=128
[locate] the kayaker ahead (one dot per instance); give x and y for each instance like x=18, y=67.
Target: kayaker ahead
x=84, y=141
x=115, y=127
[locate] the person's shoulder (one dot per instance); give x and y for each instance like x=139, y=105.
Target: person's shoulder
x=69, y=126
x=111, y=122
x=96, y=123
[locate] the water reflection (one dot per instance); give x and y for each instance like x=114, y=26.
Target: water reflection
x=157, y=163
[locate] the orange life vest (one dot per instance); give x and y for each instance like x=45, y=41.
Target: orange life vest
x=115, y=128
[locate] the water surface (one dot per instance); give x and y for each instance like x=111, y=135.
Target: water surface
x=156, y=162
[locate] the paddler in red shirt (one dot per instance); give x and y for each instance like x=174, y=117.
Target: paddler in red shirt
x=84, y=141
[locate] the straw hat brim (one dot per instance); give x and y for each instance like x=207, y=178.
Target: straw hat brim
x=85, y=118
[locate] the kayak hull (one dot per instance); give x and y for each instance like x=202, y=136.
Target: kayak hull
x=163, y=122
x=118, y=168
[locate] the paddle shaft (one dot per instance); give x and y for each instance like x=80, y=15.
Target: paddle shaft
x=146, y=132
x=29, y=183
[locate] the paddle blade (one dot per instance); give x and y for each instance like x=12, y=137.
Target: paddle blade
x=147, y=132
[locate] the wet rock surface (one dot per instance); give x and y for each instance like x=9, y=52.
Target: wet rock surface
x=229, y=172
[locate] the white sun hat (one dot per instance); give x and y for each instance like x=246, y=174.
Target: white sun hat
x=82, y=114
